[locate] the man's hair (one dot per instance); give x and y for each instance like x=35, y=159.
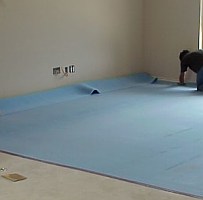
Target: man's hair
x=183, y=53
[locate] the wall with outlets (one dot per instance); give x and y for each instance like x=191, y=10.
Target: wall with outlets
x=100, y=38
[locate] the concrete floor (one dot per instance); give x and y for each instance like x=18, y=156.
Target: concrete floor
x=50, y=182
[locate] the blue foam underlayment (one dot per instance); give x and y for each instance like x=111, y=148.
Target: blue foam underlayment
x=19, y=103
x=151, y=133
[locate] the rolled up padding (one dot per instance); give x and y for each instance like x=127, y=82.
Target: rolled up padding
x=154, y=80
x=87, y=89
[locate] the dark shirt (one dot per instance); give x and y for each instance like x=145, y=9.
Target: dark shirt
x=193, y=60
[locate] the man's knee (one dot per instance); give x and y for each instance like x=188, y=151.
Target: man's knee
x=200, y=80
x=200, y=88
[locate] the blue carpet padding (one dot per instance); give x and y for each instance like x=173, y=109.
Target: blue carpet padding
x=30, y=101
x=165, y=82
x=150, y=133
x=122, y=82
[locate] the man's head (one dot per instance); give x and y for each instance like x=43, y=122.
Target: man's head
x=182, y=54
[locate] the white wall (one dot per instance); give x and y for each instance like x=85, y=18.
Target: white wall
x=102, y=38
x=170, y=26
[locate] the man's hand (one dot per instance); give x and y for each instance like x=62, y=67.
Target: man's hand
x=182, y=78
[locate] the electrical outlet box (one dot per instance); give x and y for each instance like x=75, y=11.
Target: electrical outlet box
x=72, y=69
x=66, y=69
x=56, y=70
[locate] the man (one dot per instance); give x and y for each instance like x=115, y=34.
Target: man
x=193, y=60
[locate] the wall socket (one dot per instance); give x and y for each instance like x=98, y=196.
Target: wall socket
x=56, y=70
x=65, y=70
x=71, y=68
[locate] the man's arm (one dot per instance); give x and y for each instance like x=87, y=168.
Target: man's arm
x=182, y=78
